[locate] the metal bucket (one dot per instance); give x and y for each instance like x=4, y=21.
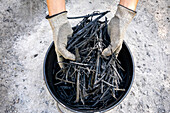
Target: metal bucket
x=127, y=63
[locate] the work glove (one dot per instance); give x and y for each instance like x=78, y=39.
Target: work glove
x=117, y=28
x=61, y=31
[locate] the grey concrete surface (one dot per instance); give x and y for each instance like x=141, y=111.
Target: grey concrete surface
x=25, y=36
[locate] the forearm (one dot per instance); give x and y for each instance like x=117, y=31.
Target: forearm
x=55, y=6
x=131, y=4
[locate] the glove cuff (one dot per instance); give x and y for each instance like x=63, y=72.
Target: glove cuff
x=126, y=8
x=57, y=20
x=48, y=17
x=125, y=13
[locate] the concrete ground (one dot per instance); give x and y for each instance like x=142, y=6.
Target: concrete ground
x=25, y=36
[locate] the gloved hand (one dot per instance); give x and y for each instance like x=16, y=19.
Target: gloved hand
x=117, y=28
x=61, y=30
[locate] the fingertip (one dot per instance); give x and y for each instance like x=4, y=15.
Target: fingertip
x=117, y=51
x=103, y=52
x=72, y=57
x=60, y=60
x=67, y=55
x=106, y=52
x=61, y=65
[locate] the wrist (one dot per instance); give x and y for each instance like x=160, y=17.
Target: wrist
x=130, y=4
x=126, y=8
x=51, y=13
x=55, y=6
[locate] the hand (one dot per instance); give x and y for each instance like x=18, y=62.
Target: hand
x=117, y=28
x=61, y=30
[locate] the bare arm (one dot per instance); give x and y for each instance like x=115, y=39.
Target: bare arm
x=55, y=6
x=131, y=4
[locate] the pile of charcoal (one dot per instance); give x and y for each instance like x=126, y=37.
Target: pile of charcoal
x=92, y=81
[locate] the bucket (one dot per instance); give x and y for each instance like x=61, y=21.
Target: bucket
x=126, y=59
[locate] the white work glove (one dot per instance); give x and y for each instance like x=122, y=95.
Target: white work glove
x=61, y=31
x=117, y=28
